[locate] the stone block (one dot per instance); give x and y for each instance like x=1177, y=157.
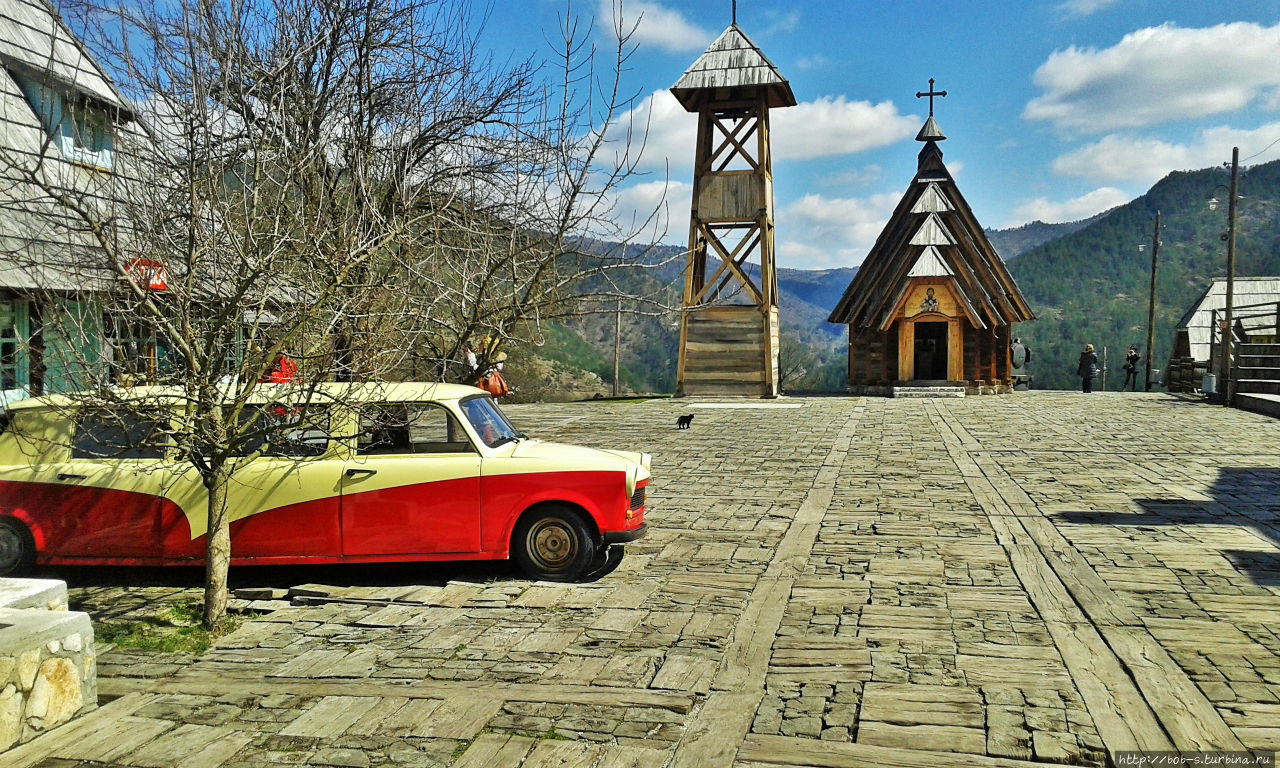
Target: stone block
x=56, y=696
x=42, y=594
x=1054, y=747
x=49, y=671
x=10, y=716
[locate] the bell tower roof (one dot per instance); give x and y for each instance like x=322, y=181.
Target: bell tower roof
x=732, y=68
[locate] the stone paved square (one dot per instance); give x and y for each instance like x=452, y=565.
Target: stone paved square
x=829, y=581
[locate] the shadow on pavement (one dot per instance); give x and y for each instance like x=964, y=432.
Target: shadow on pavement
x=1248, y=497
x=285, y=576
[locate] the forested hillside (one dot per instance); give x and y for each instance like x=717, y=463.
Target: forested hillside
x=1018, y=240
x=1092, y=286
x=576, y=359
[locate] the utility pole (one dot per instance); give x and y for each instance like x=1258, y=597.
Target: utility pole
x=617, y=346
x=1228, y=334
x=1151, y=307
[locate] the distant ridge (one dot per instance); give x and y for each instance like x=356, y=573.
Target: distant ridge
x=1086, y=281
x=1015, y=241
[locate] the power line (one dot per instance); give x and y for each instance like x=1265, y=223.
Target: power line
x=1264, y=149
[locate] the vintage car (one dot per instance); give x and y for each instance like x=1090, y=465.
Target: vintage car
x=359, y=473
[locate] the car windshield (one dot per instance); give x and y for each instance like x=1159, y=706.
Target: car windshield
x=489, y=422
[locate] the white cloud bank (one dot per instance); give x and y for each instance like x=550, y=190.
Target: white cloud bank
x=654, y=211
x=1142, y=161
x=817, y=232
x=826, y=127
x=1158, y=75
x=1043, y=209
x=657, y=26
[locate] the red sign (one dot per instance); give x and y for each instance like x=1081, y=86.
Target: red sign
x=153, y=274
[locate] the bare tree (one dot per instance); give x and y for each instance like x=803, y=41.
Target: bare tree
x=351, y=185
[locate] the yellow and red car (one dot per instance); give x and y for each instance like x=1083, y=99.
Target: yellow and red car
x=370, y=473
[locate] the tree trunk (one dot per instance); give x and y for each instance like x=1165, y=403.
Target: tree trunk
x=217, y=557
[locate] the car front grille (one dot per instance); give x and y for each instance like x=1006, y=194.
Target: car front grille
x=637, y=498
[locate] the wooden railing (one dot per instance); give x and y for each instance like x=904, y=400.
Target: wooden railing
x=1252, y=324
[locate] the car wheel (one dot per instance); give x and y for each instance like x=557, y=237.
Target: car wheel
x=553, y=544
x=17, y=550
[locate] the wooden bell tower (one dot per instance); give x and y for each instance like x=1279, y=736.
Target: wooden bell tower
x=729, y=322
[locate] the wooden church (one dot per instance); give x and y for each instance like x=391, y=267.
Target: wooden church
x=933, y=304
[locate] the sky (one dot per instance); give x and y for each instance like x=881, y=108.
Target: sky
x=1055, y=110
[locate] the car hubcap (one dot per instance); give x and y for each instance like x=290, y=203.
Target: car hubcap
x=553, y=544
x=10, y=549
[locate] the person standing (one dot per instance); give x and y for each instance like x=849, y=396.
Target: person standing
x=1131, y=369
x=284, y=370
x=1088, y=368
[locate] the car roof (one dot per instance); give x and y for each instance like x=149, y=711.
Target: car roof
x=405, y=391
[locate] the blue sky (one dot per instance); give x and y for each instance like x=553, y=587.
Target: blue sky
x=1055, y=111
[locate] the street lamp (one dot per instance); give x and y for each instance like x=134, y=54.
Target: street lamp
x=1224, y=378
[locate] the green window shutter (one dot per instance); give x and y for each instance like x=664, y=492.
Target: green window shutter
x=73, y=345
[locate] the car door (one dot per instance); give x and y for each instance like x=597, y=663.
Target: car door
x=413, y=485
x=104, y=499
x=283, y=496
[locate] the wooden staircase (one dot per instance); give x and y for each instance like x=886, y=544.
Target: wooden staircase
x=1258, y=377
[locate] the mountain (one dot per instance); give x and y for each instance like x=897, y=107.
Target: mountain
x=1091, y=286
x=1086, y=281
x=1010, y=243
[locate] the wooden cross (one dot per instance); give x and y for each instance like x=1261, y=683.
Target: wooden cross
x=931, y=93
x=735, y=13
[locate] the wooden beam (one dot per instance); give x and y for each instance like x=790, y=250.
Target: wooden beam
x=731, y=138
x=216, y=684
x=729, y=260
x=955, y=349
x=906, y=350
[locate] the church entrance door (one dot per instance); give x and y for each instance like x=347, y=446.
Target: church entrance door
x=931, y=351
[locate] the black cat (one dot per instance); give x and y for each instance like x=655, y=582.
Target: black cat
x=684, y=421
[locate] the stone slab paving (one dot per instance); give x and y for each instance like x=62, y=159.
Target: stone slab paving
x=993, y=581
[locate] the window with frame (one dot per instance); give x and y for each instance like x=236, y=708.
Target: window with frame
x=131, y=348
x=104, y=433
x=89, y=127
x=405, y=428
x=292, y=431
x=14, y=355
x=82, y=129
x=87, y=134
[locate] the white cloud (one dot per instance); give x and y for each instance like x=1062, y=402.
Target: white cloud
x=1083, y=7
x=826, y=127
x=1042, y=209
x=817, y=232
x=1157, y=75
x=647, y=208
x=1142, y=161
x=656, y=26
x=816, y=61
x=781, y=22
x=832, y=125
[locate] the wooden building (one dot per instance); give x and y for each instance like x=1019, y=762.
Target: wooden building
x=729, y=322
x=1197, y=350
x=933, y=303
x=61, y=120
